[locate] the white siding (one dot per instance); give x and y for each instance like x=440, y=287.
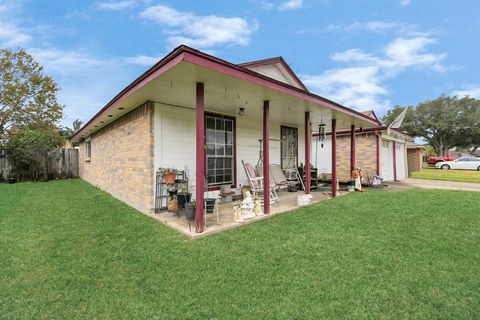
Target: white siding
x=322, y=157
x=277, y=72
x=175, y=141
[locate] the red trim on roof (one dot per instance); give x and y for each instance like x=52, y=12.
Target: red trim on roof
x=274, y=60
x=210, y=62
x=168, y=62
x=369, y=130
x=184, y=53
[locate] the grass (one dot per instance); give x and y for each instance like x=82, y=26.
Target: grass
x=68, y=250
x=448, y=175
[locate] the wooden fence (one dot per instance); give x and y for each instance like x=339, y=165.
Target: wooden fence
x=64, y=166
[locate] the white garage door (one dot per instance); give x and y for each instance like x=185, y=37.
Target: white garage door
x=401, y=161
x=386, y=160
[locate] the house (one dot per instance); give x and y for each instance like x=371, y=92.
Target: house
x=380, y=150
x=195, y=112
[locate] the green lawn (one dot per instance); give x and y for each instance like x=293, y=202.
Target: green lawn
x=68, y=250
x=448, y=175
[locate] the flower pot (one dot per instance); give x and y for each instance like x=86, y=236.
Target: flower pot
x=209, y=204
x=183, y=198
x=169, y=178
x=190, y=210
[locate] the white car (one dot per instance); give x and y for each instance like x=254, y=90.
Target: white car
x=464, y=163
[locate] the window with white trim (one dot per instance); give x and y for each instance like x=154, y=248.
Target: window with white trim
x=88, y=149
x=220, y=149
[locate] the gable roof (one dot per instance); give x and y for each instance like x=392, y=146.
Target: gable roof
x=371, y=114
x=184, y=53
x=261, y=66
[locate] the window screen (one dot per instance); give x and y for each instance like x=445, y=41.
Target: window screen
x=220, y=146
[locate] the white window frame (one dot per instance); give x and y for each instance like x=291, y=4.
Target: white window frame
x=211, y=158
x=88, y=149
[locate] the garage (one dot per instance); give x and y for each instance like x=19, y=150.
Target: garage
x=392, y=155
x=400, y=156
x=386, y=161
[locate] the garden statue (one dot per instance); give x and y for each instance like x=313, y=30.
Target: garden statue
x=258, y=207
x=357, y=179
x=247, y=206
x=237, y=212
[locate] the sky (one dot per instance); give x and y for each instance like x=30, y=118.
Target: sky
x=363, y=54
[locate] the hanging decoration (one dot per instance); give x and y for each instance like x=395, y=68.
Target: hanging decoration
x=321, y=133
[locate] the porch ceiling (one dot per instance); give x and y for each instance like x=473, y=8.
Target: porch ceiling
x=224, y=94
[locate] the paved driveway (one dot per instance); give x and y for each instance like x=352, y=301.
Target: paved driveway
x=440, y=184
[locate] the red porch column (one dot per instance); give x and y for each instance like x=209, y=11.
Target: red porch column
x=334, y=158
x=308, y=142
x=377, y=140
x=200, y=158
x=266, y=158
x=394, y=161
x=352, y=148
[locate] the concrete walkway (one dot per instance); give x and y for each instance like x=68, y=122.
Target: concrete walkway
x=440, y=184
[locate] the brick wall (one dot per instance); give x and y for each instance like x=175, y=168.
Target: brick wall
x=122, y=158
x=414, y=160
x=366, y=156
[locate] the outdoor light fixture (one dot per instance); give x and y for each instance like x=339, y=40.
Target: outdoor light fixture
x=241, y=111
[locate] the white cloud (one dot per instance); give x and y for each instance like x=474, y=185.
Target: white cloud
x=200, y=31
x=143, y=60
x=405, y=2
x=11, y=35
x=358, y=87
x=291, y=5
x=116, y=5
x=360, y=84
x=378, y=26
x=472, y=91
x=64, y=62
x=282, y=6
x=407, y=52
x=354, y=55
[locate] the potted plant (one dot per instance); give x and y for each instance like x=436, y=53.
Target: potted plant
x=190, y=210
x=168, y=174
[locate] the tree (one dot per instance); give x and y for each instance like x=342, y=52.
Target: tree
x=471, y=118
x=68, y=131
x=443, y=123
x=27, y=96
x=30, y=152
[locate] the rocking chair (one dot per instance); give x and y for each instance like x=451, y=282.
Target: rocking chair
x=256, y=183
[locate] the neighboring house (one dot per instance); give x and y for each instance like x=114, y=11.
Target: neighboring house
x=379, y=151
x=195, y=112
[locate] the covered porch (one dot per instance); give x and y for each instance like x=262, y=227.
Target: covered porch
x=204, y=101
x=209, y=115
x=288, y=203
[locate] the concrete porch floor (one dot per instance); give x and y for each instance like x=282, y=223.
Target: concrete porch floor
x=288, y=202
